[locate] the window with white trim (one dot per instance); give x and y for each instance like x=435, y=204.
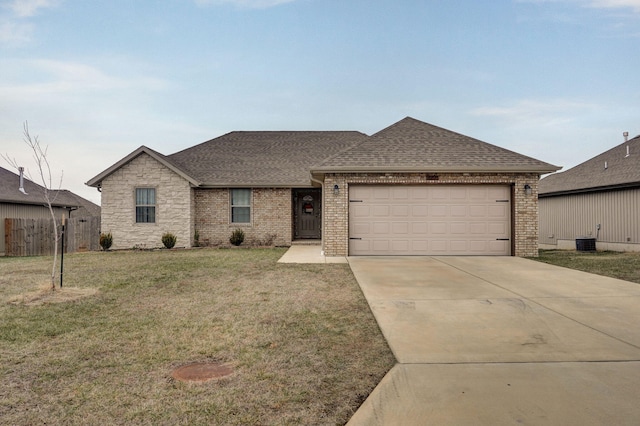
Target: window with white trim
x=145, y=205
x=240, y=206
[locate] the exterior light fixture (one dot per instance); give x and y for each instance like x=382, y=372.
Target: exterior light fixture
x=336, y=189
x=527, y=189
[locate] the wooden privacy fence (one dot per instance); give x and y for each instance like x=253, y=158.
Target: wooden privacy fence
x=35, y=237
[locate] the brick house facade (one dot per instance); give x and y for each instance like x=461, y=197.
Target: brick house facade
x=280, y=173
x=175, y=205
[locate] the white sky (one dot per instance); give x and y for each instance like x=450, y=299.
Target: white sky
x=553, y=79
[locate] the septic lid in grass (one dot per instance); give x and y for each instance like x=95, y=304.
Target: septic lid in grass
x=201, y=372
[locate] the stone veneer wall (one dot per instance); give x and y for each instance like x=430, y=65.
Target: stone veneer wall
x=174, y=199
x=524, y=207
x=271, y=214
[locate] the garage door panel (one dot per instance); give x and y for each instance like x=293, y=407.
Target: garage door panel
x=359, y=211
x=458, y=211
x=438, y=246
x=381, y=246
x=430, y=220
x=400, y=228
x=418, y=193
x=438, y=211
x=498, y=210
x=476, y=228
x=399, y=210
x=478, y=193
x=362, y=228
x=477, y=211
x=419, y=245
x=497, y=246
x=498, y=228
x=458, y=246
x=420, y=211
x=402, y=246
x=400, y=193
x=380, y=228
x=381, y=193
x=458, y=228
x=419, y=227
x=438, y=228
x=439, y=193
x=458, y=193
x=380, y=211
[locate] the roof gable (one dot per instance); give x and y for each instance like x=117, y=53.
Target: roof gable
x=617, y=167
x=96, y=181
x=413, y=145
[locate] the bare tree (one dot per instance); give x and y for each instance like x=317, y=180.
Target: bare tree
x=49, y=194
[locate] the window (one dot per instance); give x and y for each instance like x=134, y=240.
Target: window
x=240, y=206
x=145, y=205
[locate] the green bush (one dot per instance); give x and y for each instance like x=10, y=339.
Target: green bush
x=106, y=240
x=237, y=237
x=169, y=240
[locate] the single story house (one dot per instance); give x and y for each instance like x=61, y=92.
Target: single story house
x=410, y=189
x=599, y=199
x=29, y=203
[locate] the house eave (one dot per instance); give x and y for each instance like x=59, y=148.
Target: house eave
x=431, y=169
x=220, y=185
x=629, y=185
x=40, y=204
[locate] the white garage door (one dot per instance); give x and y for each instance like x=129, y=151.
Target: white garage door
x=429, y=220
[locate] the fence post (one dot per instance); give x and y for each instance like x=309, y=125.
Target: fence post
x=64, y=221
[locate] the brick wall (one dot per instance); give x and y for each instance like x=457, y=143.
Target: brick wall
x=173, y=205
x=525, y=208
x=271, y=214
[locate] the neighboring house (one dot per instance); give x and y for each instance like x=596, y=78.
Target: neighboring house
x=599, y=199
x=410, y=189
x=31, y=204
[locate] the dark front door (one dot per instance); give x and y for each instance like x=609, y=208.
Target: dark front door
x=307, y=215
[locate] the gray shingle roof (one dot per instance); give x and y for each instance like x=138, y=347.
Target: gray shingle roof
x=621, y=171
x=286, y=158
x=262, y=158
x=413, y=145
x=10, y=182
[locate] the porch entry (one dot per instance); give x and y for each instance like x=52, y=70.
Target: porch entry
x=307, y=213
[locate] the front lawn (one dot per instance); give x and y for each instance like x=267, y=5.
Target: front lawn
x=625, y=266
x=301, y=340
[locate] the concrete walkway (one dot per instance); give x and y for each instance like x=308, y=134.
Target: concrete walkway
x=501, y=340
x=308, y=254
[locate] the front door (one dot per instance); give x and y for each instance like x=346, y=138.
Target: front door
x=307, y=215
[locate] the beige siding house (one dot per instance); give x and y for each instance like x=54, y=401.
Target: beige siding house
x=412, y=189
x=599, y=199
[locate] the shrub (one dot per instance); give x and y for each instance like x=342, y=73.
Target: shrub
x=169, y=240
x=196, y=238
x=106, y=240
x=237, y=237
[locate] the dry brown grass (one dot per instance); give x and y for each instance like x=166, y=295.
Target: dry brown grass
x=624, y=266
x=46, y=295
x=301, y=340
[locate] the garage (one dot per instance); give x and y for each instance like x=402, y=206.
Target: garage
x=433, y=219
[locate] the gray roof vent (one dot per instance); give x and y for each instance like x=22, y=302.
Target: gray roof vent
x=626, y=136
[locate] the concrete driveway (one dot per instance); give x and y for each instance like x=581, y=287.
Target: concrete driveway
x=501, y=340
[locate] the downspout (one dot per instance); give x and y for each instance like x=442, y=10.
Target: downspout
x=321, y=212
